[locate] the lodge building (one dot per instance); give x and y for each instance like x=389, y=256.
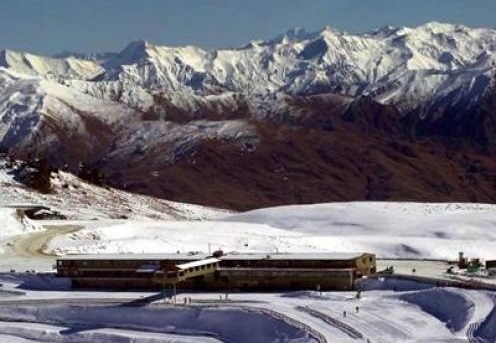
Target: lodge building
x=221, y=272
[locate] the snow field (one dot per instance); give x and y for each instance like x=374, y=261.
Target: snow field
x=390, y=230
x=225, y=324
x=412, y=313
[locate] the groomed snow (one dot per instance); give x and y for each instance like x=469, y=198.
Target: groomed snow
x=417, y=313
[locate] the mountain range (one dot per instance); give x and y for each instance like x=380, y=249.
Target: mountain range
x=393, y=114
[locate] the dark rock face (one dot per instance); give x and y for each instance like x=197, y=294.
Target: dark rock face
x=321, y=149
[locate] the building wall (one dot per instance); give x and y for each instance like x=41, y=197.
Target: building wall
x=287, y=263
x=234, y=274
x=101, y=268
x=365, y=265
x=280, y=279
x=115, y=283
x=490, y=264
x=232, y=281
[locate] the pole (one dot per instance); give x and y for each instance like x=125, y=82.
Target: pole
x=164, y=293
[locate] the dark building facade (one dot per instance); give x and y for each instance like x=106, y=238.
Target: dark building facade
x=230, y=272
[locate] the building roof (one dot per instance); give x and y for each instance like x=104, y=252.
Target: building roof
x=229, y=256
x=293, y=256
x=137, y=257
x=289, y=269
x=197, y=263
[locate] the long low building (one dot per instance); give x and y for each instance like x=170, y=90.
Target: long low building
x=226, y=272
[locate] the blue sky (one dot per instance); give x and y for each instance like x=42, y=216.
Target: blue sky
x=50, y=26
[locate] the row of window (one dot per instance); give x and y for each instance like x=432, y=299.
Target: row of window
x=203, y=267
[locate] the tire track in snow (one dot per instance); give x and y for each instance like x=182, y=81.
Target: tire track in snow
x=473, y=327
x=33, y=245
x=347, y=329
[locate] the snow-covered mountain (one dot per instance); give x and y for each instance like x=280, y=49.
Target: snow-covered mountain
x=49, y=67
x=401, y=66
x=149, y=109
x=405, y=67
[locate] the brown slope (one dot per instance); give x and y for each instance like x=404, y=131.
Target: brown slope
x=311, y=149
x=319, y=154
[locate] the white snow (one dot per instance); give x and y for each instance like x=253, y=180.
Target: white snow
x=170, y=237
x=414, y=68
x=392, y=230
x=418, y=230
x=419, y=314
x=389, y=310
x=49, y=67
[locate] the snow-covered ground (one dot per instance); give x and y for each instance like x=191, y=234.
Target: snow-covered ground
x=402, y=230
x=416, y=313
x=412, y=313
x=391, y=230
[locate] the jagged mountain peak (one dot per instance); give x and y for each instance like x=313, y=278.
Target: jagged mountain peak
x=292, y=35
x=32, y=64
x=98, y=57
x=395, y=65
x=132, y=53
x=141, y=51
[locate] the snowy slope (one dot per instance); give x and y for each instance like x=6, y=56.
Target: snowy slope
x=77, y=199
x=69, y=67
x=33, y=109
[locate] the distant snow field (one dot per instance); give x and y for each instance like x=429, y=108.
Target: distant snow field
x=391, y=230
